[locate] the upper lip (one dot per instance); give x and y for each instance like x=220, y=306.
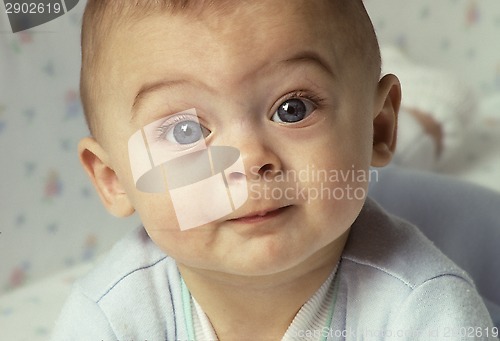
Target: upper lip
x=258, y=213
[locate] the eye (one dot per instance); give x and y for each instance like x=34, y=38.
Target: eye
x=293, y=110
x=184, y=132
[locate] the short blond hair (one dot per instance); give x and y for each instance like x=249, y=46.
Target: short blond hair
x=101, y=17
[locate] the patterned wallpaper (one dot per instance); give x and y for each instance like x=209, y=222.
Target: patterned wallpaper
x=50, y=217
x=457, y=35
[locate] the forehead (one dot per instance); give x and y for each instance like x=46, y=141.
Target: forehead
x=230, y=56
x=246, y=26
x=227, y=47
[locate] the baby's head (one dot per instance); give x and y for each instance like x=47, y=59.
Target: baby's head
x=294, y=86
x=343, y=25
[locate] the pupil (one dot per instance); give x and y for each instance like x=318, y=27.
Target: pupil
x=187, y=132
x=293, y=110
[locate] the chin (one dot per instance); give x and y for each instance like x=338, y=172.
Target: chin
x=268, y=263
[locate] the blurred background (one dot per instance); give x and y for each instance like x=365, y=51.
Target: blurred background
x=52, y=224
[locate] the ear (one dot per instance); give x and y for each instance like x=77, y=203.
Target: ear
x=385, y=120
x=94, y=161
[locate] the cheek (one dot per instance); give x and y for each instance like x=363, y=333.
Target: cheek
x=331, y=216
x=158, y=217
x=338, y=185
x=337, y=201
x=156, y=211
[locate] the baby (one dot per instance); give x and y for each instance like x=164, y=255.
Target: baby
x=290, y=92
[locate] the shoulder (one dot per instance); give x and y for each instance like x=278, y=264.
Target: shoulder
x=380, y=242
x=136, y=290
x=135, y=258
x=393, y=278
x=445, y=307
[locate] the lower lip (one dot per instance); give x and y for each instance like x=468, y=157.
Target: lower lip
x=258, y=219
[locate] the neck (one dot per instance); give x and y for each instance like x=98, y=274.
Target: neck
x=261, y=307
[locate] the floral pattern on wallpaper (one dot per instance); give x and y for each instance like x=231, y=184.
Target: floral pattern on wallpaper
x=50, y=218
x=457, y=35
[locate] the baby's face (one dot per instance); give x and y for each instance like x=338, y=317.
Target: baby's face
x=265, y=79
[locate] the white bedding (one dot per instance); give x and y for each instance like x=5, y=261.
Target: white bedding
x=28, y=313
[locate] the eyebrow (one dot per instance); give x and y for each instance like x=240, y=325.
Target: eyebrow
x=310, y=57
x=307, y=56
x=148, y=88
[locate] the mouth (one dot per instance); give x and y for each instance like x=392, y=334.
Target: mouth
x=259, y=216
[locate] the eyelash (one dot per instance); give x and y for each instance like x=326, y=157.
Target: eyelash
x=303, y=94
x=169, y=123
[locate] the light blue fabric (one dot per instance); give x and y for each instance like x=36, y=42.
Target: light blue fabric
x=391, y=280
x=462, y=219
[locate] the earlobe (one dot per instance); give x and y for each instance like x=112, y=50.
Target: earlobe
x=94, y=161
x=385, y=120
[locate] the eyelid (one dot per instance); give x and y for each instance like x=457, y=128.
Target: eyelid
x=171, y=121
x=303, y=95
x=315, y=100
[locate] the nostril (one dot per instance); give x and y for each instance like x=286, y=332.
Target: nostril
x=267, y=168
x=236, y=176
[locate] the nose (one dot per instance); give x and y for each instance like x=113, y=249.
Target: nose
x=260, y=157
